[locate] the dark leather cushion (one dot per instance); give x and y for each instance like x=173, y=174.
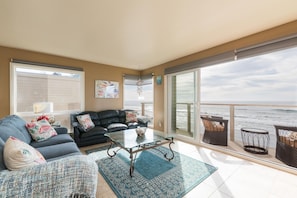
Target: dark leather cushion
x=122, y=116
x=133, y=125
x=97, y=130
x=108, y=117
x=116, y=127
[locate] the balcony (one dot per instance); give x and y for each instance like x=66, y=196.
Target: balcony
x=260, y=116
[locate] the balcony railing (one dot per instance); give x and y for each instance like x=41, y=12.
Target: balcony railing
x=262, y=116
x=144, y=109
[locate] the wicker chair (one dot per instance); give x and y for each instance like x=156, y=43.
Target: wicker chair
x=286, y=147
x=216, y=130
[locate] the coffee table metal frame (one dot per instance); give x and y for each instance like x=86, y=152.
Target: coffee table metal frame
x=130, y=142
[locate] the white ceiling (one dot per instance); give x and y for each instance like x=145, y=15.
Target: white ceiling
x=135, y=34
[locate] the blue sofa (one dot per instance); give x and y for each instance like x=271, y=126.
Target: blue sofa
x=66, y=173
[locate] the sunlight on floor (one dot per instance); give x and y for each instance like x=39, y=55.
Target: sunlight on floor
x=235, y=177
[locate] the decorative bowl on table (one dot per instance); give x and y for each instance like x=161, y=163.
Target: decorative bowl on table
x=140, y=131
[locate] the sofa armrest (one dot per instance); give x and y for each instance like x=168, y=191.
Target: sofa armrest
x=143, y=120
x=74, y=176
x=61, y=130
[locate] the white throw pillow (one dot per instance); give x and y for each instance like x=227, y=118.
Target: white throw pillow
x=86, y=122
x=17, y=154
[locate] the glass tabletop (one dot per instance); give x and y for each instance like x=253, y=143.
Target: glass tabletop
x=129, y=138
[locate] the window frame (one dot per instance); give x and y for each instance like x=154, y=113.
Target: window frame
x=147, y=80
x=14, y=86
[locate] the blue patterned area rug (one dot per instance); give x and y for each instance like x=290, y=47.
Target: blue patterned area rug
x=153, y=176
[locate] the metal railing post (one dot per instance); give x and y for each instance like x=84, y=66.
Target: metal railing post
x=232, y=134
x=189, y=117
x=142, y=108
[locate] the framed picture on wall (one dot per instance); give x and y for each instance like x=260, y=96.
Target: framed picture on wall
x=106, y=89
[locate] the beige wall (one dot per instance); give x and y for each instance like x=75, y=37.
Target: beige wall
x=94, y=71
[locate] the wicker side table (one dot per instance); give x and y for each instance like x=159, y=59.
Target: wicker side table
x=255, y=140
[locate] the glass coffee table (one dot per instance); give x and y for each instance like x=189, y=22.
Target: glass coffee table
x=129, y=141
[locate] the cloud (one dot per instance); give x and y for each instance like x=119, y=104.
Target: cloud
x=270, y=77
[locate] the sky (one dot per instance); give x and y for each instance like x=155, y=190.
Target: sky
x=266, y=78
x=147, y=93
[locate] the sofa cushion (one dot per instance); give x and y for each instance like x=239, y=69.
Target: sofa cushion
x=293, y=136
x=20, y=124
x=2, y=164
x=58, y=139
x=133, y=125
x=63, y=156
x=18, y=154
x=97, y=130
x=131, y=116
x=58, y=150
x=86, y=122
x=116, y=127
x=7, y=130
x=108, y=117
x=122, y=116
x=41, y=130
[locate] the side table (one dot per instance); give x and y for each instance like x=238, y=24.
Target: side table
x=255, y=140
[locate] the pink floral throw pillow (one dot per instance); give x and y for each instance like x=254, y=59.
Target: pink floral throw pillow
x=41, y=130
x=86, y=122
x=131, y=116
x=17, y=154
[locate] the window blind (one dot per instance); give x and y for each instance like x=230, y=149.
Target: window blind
x=133, y=79
x=246, y=52
x=267, y=47
x=217, y=59
x=46, y=65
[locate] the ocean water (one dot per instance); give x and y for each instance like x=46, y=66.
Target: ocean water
x=261, y=117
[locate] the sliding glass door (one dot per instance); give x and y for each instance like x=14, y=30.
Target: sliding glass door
x=182, y=104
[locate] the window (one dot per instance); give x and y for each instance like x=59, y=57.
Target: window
x=262, y=90
x=182, y=100
x=255, y=92
x=138, y=95
x=252, y=87
x=33, y=84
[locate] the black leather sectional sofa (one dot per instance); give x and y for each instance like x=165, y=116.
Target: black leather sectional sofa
x=104, y=121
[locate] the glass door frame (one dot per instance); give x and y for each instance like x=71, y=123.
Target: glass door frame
x=168, y=110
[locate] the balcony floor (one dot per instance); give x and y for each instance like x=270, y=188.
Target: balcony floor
x=237, y=147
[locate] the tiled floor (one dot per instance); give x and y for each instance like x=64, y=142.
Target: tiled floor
x=235, y=177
